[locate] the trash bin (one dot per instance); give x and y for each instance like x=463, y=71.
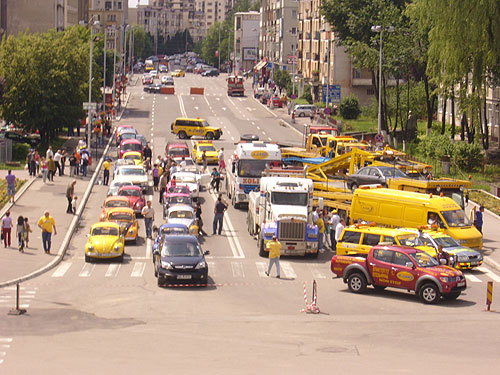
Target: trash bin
x=445, y=164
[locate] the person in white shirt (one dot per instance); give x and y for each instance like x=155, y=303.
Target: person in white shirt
x=57, y=160
x=183, y=163
x=49, y=153
x=315, y=215
x=339, y=229
x=173, y=169
x=334, y=221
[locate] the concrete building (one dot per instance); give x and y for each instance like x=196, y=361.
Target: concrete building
x=113, y=17
x=246, y=40
x=17, y=16
x=212, y=11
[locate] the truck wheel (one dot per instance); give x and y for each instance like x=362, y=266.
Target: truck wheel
x=452, y=296
x=262, y=250
x=233, y=201
x=429, y=294
x=210, y=135
x=356, y=283
x=251, y=231
x=182, y=135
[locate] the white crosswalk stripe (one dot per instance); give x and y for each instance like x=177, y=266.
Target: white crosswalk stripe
x=212, y=269
x=472, y=278
x=138, y=269
x=489, y=273
x=237, y=268
x=261, y=268
x=288, y=270
x=87, y=270
x=62, y=269
x=112, y=270
x=316, y=272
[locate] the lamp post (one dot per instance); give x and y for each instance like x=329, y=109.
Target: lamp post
x=104, y=74
x=218, y=50
x=380, y=29
x=114, y=68
x=328, y=49
x=89, y=118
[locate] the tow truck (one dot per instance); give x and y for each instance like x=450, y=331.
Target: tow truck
x=235, y=86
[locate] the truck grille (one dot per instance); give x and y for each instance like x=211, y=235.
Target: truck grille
x=292, y=230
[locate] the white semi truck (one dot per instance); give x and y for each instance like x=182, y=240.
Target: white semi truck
x=283, y=207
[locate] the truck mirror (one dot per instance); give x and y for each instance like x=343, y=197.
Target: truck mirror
x=443, y=261
x=321, y=203
x=233, y=167
x=409, y=264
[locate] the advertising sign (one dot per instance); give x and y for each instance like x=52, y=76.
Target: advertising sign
x=250, y=54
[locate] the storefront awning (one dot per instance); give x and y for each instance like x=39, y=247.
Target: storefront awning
x=260, y=65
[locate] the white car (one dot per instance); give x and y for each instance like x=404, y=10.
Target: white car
x=163, y=68
x=167, y=80
x=188, y=166
x=116, y=185
x=134, y=173
x=181, y=214
x=154, y=73
x=189, y=179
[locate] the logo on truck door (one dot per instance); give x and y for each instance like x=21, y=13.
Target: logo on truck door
x=404, y=276
x=260, y=154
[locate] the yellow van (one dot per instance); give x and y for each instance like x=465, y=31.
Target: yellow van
x=394, y=208
x=188, y=127
x=359, y=239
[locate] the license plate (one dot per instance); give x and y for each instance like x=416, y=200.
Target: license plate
x=184, y=277
x=462, y=283
x=291, y=247
x=473, y=263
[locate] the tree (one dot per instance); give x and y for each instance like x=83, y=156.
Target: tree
x=282, y=79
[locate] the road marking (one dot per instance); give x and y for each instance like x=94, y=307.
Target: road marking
x=261, y=268
x=317, y=274
x=5, y=339
x=288, y=270
x=87, y=270
x=149, y=245
x=212, y=269
x=181, y=105
x=62, y=269
x=253, y=123
x=237, y=268
x=489, y=273
x=232, y=138
x=472, y=278
x=206, y=100
x=166, y=98
x=138, y=270
x=112, y=270
x=20, y=296
x=258, y=127
x=269, y=138
x=223, y=108
x=196, y=108
x=263, y=132
x=217, y=98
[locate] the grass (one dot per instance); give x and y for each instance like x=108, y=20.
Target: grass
x=4, y=166
x=4, y=198
x=485, y=200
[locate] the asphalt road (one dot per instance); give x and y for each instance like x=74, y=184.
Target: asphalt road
x=107, y=318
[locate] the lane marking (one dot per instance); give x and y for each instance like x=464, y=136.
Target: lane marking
x=263, y=132
x=269, y=138
x=317, y=274
x=112, y=270
x=258, y=127
x=86, y=270
x=237, y=268
x=181, y=105
x=232, y=138
x=489, y=273
x=472, y=278
x=62, y=269
x=211, y=269
x=261, y=268
x=138, y=270
x=6, y=339
x=288, y=270
x=149, y=245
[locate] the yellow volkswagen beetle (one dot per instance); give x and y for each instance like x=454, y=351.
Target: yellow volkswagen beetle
x=125, y=217
x=178, y=73
x=133, y=155
x=106, y=241
x=211, y=152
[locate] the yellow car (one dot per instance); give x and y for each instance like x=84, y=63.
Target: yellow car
x=178, y=73
x=210, y=151
x=125, y=217
x=133, y=155
x=106, y=241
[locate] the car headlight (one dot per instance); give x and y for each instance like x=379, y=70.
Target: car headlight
x=449, y=279
x=90, y=248
x=201, y=265
x=117, y=248
x=166, y=265
x=463, y=258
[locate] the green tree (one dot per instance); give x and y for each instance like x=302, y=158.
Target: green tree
x=282, y=79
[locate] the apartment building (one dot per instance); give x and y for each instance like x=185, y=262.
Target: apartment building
x=246, y=40
x=322, y=62
x=113, y=17
x=17, y=16
x=212, y=11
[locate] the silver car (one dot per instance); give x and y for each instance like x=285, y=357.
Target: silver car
x=304, y=110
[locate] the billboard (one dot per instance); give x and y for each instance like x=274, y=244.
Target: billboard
x=250, y=54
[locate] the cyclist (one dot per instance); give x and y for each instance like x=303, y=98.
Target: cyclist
x=214, y=184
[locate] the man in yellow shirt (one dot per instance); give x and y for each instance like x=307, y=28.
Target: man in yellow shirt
x=105, y=166
x=274, y=248
x=46, y=224
x=321, y=231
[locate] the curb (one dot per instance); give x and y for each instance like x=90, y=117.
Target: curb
x=492, y=263
x=69, y=233
x=18, y=195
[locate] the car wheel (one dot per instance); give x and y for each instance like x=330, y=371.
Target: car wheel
x=182, y=135
x=301, y=114
x=262, y=250
x=429, y=294
x=217, y=136
x=210, y=135
x=452, y=296
x=356, y=283
x=354, y=186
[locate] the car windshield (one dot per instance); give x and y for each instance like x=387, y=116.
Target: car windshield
x=291, y=199
x=130, y=193
x=181, y=214
x=205, y=124
x=251, y=168
x=132, y=157
x=423, y=259
x=178, y=190
x=120, y=203
x=180, y=151
x=120, y=216
x=181, y=249
x=131, y=171
x=105, y=231
x=131, y=146
x=393, y=172
x=411, y=240
x=207, y=148
x=455, y=218
x=174, y=230
x=179, y=200
x=446, y=242
x=185, y=179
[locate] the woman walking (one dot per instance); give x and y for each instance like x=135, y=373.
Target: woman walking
x=45, y=169
x=6, y=229
x=51, y=164
x=20, y=233
x=27, y=231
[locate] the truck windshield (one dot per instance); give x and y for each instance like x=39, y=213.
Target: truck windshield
x=456, y=218
x=251, y=167
x=446, y=242
x=423, y=259
x=290, y=199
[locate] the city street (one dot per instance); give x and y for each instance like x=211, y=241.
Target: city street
x=112, y=318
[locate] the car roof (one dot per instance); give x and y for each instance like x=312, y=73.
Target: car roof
x=174, y=225
x=130, y=141
x=190, y=118
x=180, y=207
x=127, y=210
x=131, y=166
x=185, y=173
x=105, y=224
x=366, y=228
x=403, y=249
x=132, y=153
x=177, y=145
x=129, y=187
x=115, y=198
x=181, y=238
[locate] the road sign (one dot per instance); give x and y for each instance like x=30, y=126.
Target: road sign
x=334, y=94
x=270, y=65
x=291, y=59
x=328, y=111
x=379, y=138
x=89, y=106
x=293, y=96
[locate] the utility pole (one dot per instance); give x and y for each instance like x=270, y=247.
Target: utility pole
x=328, y=72
x=114, y=67
x=104, y=75
x=124, y=50
x=218, y=51
x=89, y=118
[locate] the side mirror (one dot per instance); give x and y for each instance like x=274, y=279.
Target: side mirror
x=409, y=264
x=207, y=252
x=443, y=262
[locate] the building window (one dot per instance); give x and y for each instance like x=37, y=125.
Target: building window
x=294, y=14
x=356, y=73
x=370, y=91
x=107, y=5
x=119, y=5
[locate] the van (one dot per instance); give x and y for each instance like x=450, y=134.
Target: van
x=394, y=208
x=359, y=239
x=188, y=127
x=304, y=110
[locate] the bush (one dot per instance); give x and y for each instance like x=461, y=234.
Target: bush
x=436, y=146
x=19, y=151
x=320, y=104
x=468, y=156
x=349, y=108
x=307, y=94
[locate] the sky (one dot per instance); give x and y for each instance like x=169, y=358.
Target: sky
x=133, y=3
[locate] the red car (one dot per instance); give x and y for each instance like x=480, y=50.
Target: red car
x=177, y=150
x=129, y=145
x=134, y=195
x=277, y=102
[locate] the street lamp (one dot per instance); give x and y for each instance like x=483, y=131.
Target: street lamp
x=115, y=30
x=294, y=55
x=380, y=29
x=89, y=118
x=328, y=67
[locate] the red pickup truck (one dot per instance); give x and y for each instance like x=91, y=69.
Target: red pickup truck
x=399, y=267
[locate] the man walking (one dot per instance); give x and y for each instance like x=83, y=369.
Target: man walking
x=479, y=219
x=105, y=166
x=219, y=210
x=335, y=219
x=6, y=229
x=274, y=248
x=339, y=229
x=11, y=185
x=148, y=213
x=70, y=192
x=57, y=161
x=47, y=224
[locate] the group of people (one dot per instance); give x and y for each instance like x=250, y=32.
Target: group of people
x=328, y=223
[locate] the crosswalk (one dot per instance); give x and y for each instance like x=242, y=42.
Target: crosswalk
x=225, y=268
x=5, y=343
x=26, y=296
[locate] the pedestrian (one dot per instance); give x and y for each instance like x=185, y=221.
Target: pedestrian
x=49, y=153
x=199, y=219
x=47, y=224
x=57, y=161
x=30, y=162
x=219, y=210
x=163, y=185
x=6, y=229
x=20, y=233
x=64, y=156
x=274, y=248
x=215, y=179
x=315, y=215
x=334, y=220
x=321, y=232
x=148, y=213
x=27, y=231
x=11, y=185
x=220, y=158
x=183, y=163
x=147, y=152
x=70, y=192
x=479, y=219
x=72, y=164
x=73, y=204
x=173, y=182
x=156, y=177
x=45, y=169
x=51, y=165
x=78, y=158
x=173, y=168
x=37, y=162
x=204, y=160
x=84, y=162
x=339, y=229
x=106, y=165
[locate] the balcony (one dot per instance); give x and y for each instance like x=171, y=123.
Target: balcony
x=361, y=81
